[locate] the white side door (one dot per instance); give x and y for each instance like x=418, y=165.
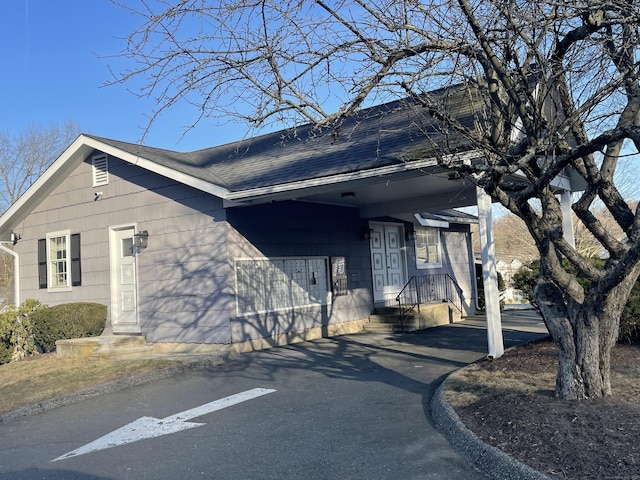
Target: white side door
x=124, y=306
x=387, y=262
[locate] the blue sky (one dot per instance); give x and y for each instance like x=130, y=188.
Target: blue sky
x=53, y=71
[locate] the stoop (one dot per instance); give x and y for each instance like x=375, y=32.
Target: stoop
x=104, y=346
x=136, y=347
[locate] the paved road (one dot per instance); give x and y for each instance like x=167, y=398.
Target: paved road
x=353, y=407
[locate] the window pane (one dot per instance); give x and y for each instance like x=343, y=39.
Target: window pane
x=427, y=247
x=58, y=261
x=127, y=247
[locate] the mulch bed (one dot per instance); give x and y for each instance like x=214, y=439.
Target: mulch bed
x=589, y=439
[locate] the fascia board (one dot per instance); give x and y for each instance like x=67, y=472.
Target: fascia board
x=43, y=186
x=334, y=179
x=428, y=222
x=68, y=161
x=167, y=172
x=236, y=198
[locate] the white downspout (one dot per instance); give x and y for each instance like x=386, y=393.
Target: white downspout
x=490, y=275
x=16, y=272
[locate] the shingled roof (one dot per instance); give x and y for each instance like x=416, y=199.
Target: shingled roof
x=391, y=134
x=374, y=147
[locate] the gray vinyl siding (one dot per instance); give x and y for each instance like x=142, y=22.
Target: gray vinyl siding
x=290, y=230
x=186, y=276
x=182, y=275
x=455, y=243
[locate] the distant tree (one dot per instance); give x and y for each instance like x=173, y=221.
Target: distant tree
x=25, y=156
x=512, y=239
x=552, y=84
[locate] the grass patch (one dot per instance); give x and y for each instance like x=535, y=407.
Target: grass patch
x=469, y=384
x=47, y=376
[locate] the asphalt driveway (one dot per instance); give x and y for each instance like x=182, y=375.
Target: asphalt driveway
x=351, y=407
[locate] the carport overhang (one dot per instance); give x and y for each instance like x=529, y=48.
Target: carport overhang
x=419, y=186
x=401, y=190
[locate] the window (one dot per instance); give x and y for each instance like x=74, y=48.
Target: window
x=59, y=261
x=267, y=285
x=428, y=253
x=100, y=170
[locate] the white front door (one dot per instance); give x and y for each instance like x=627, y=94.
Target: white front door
x=387, y=262
x=124, y=307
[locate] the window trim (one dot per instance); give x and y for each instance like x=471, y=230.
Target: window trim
x=72, y=262
x=66, y=234
x=423, y=266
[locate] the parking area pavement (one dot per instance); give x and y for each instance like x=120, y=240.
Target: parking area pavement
x=350, y=407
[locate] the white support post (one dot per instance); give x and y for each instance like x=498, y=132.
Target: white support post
x=490, y=275
x=567, y=218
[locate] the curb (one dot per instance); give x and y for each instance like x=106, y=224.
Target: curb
x=115, y=385
x=488, y=459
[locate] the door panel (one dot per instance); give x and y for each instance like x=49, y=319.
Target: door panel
x=387, y=262
x=124, y=315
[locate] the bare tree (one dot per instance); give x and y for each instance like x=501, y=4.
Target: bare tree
x=24, y=157
x=553, y=84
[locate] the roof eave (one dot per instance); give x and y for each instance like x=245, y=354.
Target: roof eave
x=68, y=161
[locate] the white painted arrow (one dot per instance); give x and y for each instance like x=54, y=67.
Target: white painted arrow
x=150, y=427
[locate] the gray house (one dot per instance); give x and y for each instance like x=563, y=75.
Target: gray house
x=293, y=233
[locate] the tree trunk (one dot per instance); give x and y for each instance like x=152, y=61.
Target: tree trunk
x=585, y=335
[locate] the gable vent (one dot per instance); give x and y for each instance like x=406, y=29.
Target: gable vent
x=100, y=170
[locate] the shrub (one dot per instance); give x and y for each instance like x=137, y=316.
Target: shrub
x=16, y=334
x=630, y=318
x=480, y=284
x=525, y=279
x=70, y=320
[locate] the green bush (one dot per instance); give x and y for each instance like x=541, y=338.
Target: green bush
x=630, y=318
x=70, y=320
x=525, y=279
x=480, y=285
x=16, y=334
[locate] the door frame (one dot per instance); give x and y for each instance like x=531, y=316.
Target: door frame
x=131, y=328
x=403, y=259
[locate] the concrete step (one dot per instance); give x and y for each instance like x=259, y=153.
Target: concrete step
x=387, y=310
x=389, y=328
x=377, y=318
x=136, y=347
x=86, y=347
x=124, y=352
x=388, y=321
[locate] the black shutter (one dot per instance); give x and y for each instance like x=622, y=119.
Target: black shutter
x=76, y=271
x=42, y=262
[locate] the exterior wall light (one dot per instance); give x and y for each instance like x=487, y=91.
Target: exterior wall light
x=141, y=240
x=367, y=233
x=411, y=234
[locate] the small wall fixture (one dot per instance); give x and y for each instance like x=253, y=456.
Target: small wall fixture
x=15, y=237
x=367, y=233
x=141, y=240
x=410, y=234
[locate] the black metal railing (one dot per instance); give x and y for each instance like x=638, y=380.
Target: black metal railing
x=428, y=289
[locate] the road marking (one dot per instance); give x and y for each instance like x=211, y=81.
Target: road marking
x=150, y=427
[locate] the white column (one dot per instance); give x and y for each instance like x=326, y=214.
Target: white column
x=490, y=276
x=567, y=218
